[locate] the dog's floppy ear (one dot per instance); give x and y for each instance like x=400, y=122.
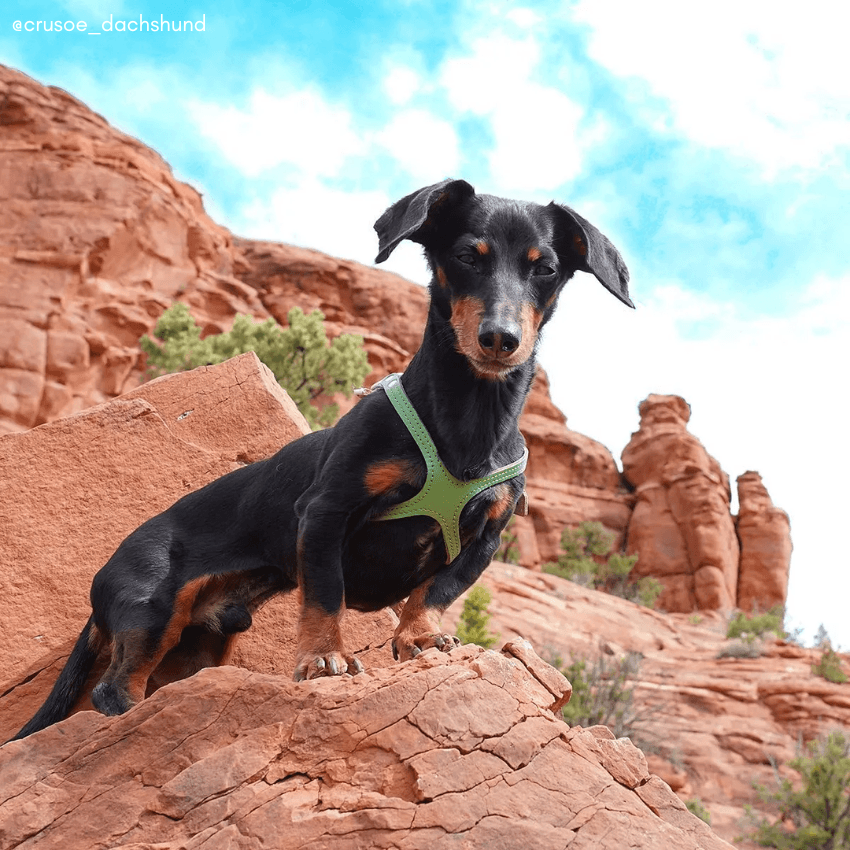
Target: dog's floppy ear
x=409, y=217
x=593, y=252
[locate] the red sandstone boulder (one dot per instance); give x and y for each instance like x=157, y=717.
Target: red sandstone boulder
x=73, y=489
x=447, y=750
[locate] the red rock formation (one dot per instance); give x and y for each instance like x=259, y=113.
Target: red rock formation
x=712, y=723
x=681, y=525
x=446, y=750
x=73, y=489
x=765, y=535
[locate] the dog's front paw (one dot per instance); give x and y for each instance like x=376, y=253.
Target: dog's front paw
x=311, y=666
x=406, y=647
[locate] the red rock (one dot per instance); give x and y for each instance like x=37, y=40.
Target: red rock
x=712, y=724
x=765, y=535
x=73, y=489
x=681, y=527
x=240, y=758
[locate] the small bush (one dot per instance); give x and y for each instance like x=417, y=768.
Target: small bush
x=695, y=807
x=814, y=815
x=757, y=624
x=472, y=626
x=508, y=550
x=581, y=562
x=741, y=649
x=829, y=666
x=603, y=692
x=304, y=363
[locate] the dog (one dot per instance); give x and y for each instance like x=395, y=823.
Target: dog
x=318, y=515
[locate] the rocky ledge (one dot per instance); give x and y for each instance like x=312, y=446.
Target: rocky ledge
x=448, y=750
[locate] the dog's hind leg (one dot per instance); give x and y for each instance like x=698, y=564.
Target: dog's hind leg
x=136, y=652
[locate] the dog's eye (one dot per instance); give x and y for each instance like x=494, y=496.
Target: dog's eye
x=468, y=259
x=543, y=271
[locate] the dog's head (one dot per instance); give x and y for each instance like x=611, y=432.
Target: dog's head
x=498, y=266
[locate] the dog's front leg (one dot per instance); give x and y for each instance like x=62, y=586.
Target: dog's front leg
x=419, y=624
x=320, y=649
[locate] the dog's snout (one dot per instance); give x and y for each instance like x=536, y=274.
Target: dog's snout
x=499, y=338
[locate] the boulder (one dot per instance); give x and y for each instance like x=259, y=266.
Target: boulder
x=447, y=750
x=712, y=723
x=74, y=488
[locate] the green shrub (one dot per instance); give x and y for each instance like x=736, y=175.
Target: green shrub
x=695, y=807
x=304, y=363
x=757, y=624
x=472, y=626
x=829, y=666
x=603, y=692
x=508, y=550
x=581, y=562
x=815, y=813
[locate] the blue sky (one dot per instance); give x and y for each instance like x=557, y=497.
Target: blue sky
x=709, y=141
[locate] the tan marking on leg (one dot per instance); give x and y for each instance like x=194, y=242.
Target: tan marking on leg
x=419, y=627
x=138, y=665
x=318, y=631
x=96, y=639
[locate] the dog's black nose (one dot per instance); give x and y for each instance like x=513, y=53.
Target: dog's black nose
x=499, y=338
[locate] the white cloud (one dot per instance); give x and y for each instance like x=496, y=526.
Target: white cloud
x=767, y=393
x=764, y=80
x=300, y=129
x=314, y=215
x=539, y=140
x=424, y=145
x=401, y=84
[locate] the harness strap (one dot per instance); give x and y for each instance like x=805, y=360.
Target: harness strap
x=443, y=496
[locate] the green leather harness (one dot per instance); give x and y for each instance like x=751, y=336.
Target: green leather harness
x=443, y=496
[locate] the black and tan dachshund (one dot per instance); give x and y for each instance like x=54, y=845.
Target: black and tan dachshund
x=307, y=517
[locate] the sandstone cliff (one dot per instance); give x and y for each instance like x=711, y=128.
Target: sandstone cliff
x=97, y=239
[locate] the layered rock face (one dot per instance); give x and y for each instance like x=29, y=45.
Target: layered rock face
x=712, y=724
x=682, y=527
x=97, y=240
